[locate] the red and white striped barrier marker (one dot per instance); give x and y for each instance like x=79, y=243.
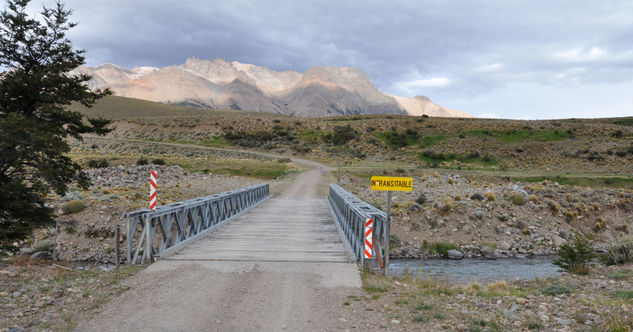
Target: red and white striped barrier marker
x=369, y=243
x=152, y=190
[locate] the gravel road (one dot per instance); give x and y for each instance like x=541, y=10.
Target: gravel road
x=206, y=295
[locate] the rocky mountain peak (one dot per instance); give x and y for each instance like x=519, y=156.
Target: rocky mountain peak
x=218, y=83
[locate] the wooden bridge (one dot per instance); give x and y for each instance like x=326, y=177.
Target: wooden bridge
x=244, y=261
x=299, y=228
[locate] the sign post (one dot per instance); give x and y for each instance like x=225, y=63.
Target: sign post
x=390, y=184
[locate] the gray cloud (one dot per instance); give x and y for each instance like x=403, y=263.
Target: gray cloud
x=485, y=57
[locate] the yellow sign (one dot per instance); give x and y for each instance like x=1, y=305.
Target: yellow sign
x=391, y=183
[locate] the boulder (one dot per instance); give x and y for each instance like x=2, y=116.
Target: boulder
x=26, y=251
x=488, y=252
x=455, y=254
x=558, y=241
x=43, y=245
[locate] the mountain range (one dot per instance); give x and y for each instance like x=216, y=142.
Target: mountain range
x=320, y=91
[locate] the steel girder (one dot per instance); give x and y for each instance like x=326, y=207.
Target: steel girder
x=152, y=233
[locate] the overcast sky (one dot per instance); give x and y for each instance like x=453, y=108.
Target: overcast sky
x=531, y=59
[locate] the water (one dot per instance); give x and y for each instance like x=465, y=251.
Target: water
x=482, y=270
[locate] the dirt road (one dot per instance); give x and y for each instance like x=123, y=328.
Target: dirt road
x=241, y=293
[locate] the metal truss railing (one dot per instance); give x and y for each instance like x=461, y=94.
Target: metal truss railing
x=162, y=231
x=351, y=213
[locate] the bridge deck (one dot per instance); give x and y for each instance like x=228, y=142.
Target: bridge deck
x=279, y=229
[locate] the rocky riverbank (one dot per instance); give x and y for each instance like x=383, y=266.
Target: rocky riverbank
x=601, y=301
x=448, y=215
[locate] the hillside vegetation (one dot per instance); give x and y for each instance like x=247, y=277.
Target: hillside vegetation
x=572, y=151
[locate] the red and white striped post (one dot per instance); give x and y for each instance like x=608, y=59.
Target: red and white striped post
x=369, y=238
x=152, y=190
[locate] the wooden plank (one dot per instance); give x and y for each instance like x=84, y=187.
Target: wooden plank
x=280, y=229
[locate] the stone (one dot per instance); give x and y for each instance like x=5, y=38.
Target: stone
x=565, y=322
x=16, y=294
x=395, y=321
x=479, y=214
x=26, y=251
x=40, y=255
x=558, y=241
x=43, y=245
x=543, y=317
x=488, y=252
x=504, y=245
x=522, y=300
x=455, y=254
x=511, y=315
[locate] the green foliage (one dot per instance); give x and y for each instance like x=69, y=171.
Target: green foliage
x=437, y=157
x=431, y=140
x=421, y=199
x=35, y=90
x=442, y=248
x=627, y=295
x=554, y=290
x=517, y=136
x=534, y=325
x=142, y=161
x=517, y=199
x=340, y=136
x=575, y=255
x=98, y=163
x=620, y=275
x=395, y=139
x=620, y=252
x=589, y=181
x=624, y=122
x=158, y=161
x=74, y=206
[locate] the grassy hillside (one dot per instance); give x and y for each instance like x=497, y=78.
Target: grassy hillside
x=574, y=151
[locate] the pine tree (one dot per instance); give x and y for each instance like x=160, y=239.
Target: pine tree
x=35, y=123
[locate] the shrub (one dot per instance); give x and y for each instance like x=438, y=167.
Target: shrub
x=442, y=248
x=621, y=252
x=74, y=206
x=421, y=199
x=490, y=196
x=534, y=199
x=553, y=206
x=158, y=161
x=575, y=256
x=142, y=161
x=98, y=163
x=340, y=136
x=554, y=290
x=445, y=207
x=500, y=286
x=517, y=199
